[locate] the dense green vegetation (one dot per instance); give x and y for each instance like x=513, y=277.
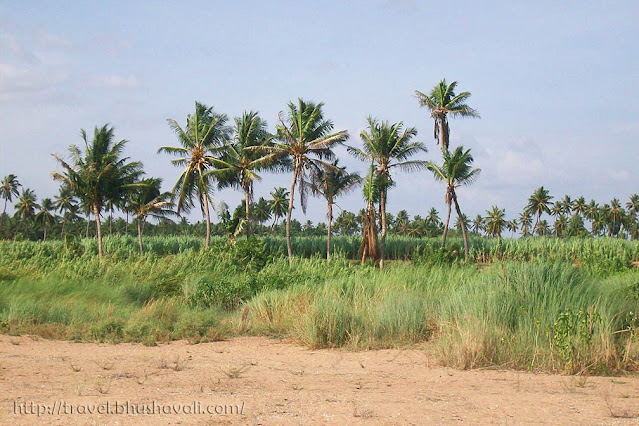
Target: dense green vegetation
x=537, y=304
x=567, y=303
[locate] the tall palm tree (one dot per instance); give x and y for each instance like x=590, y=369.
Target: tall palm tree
x=433, y=217
x=332, y=182
x=202, y=140
x=633, y=204
x=9, y=189
x=478, y=224
x=561, y=224
x=456, y=171
x=44, y=217
x=305, y=138
x=512, y=226
x=262, y=211
x=538, y=203
x=148, y=200
x=525, y=221
x=616, y=215
x=442, y=101
x=402, y=220
x=279, y=203
x=244, y=157
x=389, y=147
x=25, y=208
x=566, y=205
x=495, y=221
x=591, y=213
x=64, y=202
x=579, y=206
x=543, y=228
x=100, y=174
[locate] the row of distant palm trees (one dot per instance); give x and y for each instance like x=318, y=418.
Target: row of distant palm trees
x=214, y=154
x=567, y=218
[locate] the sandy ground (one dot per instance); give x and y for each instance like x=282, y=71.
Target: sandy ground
x=274, y=382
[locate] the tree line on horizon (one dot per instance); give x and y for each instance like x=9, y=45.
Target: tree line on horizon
x=214, y=154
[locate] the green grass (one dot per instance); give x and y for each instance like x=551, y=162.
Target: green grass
x=537, y=304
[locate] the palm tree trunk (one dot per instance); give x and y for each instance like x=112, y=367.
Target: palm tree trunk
x=248, y=213
x=382, y=207
x=463, y=226
x=446, y=224
x=140, y=234
x=64, y=221
x=536, y=222
x=126, y=227
x=288, y=215
x=443, y=137
x=111, y=222
x=45, y=233
x=208, y=221
x=98, y=227
x=88, y=222
x=328, y=239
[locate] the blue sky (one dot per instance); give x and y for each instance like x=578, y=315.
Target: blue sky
x=556, y=83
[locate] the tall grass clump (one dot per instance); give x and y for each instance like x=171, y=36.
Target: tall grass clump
x=540, y=316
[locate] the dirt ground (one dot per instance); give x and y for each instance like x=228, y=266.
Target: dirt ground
x=263, y=381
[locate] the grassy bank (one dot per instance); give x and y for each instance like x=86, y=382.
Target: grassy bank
x=551, y=305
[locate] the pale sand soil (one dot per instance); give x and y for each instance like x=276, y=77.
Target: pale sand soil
x=283, y=383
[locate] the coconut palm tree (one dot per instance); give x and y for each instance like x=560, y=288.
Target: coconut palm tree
x=25, y=208
x=633, y=204
x=9, y=189
x=591, y=213
x=305, y=138
x=433, y=218
x=566, y=205
x=561, y=224
x=538, y=203
x=456, y=171
x=148, y=200
x=99, y=174
x=389, y=147
x=543, y=228
x=202, y=140
x=345, y=223
x=244, y=157
x=616, y=215
x=579, y=206
x=402, y=220
x=44, y=217
x=478, y=224
x=512, y=226
x=525, y=221
x=442, y=102
x=64, y=202
x=262, y=211
x=495, y=221
x=279, y=203
x=332, y=182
